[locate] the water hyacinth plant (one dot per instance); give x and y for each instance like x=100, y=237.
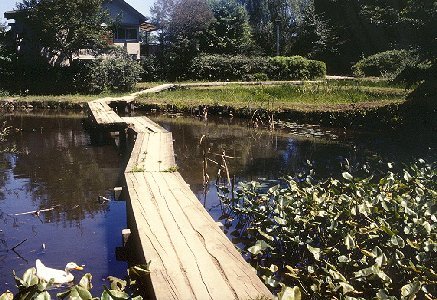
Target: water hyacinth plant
x=348, y=238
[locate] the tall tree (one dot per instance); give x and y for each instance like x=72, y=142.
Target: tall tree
x=161, y=12
x=313, y=36
x=62, y=28
x=230, y=32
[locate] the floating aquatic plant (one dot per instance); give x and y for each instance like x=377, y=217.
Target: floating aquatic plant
x=347, y=238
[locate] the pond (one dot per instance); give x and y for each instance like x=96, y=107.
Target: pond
x=269, y=155
x=57, y=167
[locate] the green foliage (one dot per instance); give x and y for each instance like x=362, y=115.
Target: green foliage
x=89, y=76
x=114, y=73
x=226, y=67
x=62, y=28
x=353, y=238
x=385, y=64
x=295, y=67
x=223, y=67
x=122, y=73
x=230, y=32
x=32, y=287
x=152, y=70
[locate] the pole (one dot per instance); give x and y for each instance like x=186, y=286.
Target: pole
x=277, y=36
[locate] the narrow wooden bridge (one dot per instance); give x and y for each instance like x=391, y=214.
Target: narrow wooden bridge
x=190, y=256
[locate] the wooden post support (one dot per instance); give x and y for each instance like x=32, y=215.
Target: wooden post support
x=221, y=226
x=125, y=233
x=117, y=192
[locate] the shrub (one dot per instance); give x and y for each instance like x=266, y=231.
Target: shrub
x=89, y=76
x=151, y=68
x=256, y=77
x=295, y=68
x=121, y=73
x=386, y=64
x=224, y=67
x=112, y=73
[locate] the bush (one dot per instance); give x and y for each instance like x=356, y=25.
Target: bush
x=122, y=73
x=385, y=64
x=151, y=68
x=223, y=67
x=226, y=67
x=295, y=68
x=113, y=73
x=256, y=77
x=89, y=76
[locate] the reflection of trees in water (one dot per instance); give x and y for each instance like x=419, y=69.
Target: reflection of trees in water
x=259, y=153
x=62, y=169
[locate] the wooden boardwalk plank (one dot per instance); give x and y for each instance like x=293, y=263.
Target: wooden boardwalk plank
x=210, y=265
x=191, y=258
x=168, y=282
x=103, y=115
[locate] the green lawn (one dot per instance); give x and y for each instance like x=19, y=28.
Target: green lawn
x=309, y=96
x=318, y=96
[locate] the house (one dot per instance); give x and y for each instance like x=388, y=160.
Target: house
x=127, y=23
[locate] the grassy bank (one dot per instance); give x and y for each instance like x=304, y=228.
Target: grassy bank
x=339, y=102
x=71, y=98
x=321, y=96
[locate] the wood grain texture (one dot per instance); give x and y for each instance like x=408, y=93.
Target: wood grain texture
x=191, y=258
x=184, y=243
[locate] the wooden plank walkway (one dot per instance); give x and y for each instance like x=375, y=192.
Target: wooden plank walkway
x=191, y=258
x=101, y=114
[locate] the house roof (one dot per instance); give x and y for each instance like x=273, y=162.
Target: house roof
x=13, y=13
x=130, y=9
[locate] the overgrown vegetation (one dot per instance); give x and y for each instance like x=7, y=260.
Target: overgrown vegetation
x=117, y=73
x=372, y=235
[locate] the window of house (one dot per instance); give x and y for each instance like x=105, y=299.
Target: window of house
x=131, y=34
x=125, y=33
x=120, y=34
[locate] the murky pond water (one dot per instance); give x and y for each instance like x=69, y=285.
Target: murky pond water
x=58, y=168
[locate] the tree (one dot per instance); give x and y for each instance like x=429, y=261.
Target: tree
x=61, y=28
x=161, y=12
x=230, y=32
x=183, y=26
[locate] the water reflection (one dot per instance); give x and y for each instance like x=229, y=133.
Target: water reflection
x=267, y=154
x=57, y=169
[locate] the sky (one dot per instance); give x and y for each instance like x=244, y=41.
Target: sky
x=143, y=6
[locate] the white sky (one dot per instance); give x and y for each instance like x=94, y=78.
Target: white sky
x=143, y=6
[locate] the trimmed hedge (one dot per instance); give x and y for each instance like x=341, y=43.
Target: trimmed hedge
x=226, y=67
x=384, y=64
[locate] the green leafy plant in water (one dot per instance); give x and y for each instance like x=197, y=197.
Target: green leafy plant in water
x=171, y=169
x=359, y=238
x=137, y=169
x=32, y=287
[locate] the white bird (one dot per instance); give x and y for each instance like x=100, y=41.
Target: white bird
x=59, y=276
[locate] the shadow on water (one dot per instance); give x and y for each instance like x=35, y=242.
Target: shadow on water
x=57, y=168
